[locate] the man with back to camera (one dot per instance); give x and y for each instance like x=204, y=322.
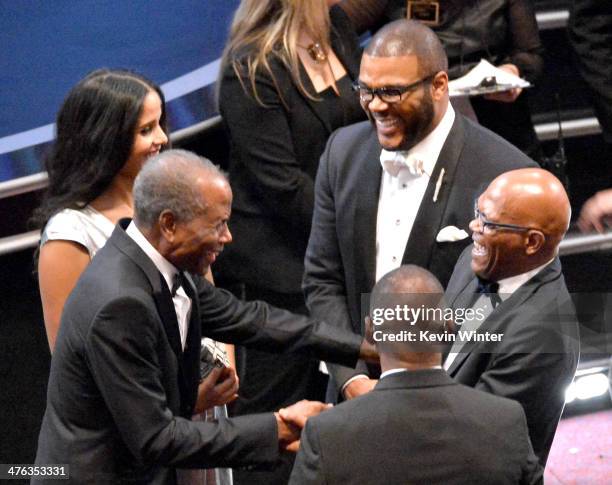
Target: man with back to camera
x=513, y=273
x=125, y=371
x=398, y=189
x=417, y=425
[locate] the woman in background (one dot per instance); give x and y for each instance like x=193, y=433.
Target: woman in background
x=285, y=85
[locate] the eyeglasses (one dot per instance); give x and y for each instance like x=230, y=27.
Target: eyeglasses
x=497, y=225
x=387, y=95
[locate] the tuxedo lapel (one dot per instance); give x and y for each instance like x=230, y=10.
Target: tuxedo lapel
x=367, y=189
x=191, y=355
x=465, y=297
x=430, y=214
x=160, y=291
x=520, y=298
x=516, y=301
x=165, y=309
x=167, y=313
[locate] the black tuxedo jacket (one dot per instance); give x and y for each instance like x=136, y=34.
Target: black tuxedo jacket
x=538, y=354
x=418, y=427
x=341, y=257
x=274, y=155
x=121, y=389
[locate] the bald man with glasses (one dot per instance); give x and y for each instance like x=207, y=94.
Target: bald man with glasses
x=397, y=189
x=511, y=274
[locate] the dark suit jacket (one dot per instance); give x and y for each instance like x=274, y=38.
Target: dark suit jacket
x=341, y=257
x=418, y=427
x=538, y=354
x=274, y=154
x=121, y=390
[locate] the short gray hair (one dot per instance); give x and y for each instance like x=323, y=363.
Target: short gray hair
x=166, y=182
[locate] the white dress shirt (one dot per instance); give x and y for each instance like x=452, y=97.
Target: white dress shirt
x=401, y=192
x=182, y=303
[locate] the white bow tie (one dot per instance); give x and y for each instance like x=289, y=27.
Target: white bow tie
x=394, y=162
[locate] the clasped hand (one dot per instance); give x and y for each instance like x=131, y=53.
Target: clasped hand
x=218, y=388
x=292, y=419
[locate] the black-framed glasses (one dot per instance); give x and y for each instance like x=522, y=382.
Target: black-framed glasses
x=389, y=95
x=497, y=225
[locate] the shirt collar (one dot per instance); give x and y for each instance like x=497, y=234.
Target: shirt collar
x=429, y=148
x=509, y=285
x=402, y=369
x=165, y=267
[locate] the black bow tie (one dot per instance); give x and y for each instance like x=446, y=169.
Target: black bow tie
x=486, y=286
x=490, y=289
x=177, y=282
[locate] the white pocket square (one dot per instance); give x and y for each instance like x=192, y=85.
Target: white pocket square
x=450, y=234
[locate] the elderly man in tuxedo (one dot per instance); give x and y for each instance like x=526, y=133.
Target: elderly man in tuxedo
x=512, y=274
x=396, y=189
x=417, y=425
x=125, y=371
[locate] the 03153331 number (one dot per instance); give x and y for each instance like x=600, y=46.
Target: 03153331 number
x=12, y=471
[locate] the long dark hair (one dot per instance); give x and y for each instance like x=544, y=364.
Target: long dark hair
x=95, y=128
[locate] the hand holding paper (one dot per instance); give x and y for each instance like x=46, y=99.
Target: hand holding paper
x=475, y=82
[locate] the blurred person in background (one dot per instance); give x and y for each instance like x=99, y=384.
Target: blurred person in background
x=285, y=85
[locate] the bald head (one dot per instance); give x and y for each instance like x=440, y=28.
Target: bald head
x=406, y=300
x=524, y=215
x=409, y=280
x=535, y=198
x=408, y=37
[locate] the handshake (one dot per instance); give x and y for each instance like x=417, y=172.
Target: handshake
x=291, y=420
x=219, y=385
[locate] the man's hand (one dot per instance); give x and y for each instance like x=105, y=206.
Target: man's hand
x=218, y=388
x=510, y=95
x=358, y=387
x=368, y=352
x=595, y=211
x=292, y=419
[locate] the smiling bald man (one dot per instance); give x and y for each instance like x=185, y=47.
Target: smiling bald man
x=511, y=274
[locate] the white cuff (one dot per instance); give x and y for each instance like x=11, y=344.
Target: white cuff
x=354, y=378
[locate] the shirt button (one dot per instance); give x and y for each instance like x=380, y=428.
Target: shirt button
x=394, y=259
x=403, y=186
x=398, y=222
